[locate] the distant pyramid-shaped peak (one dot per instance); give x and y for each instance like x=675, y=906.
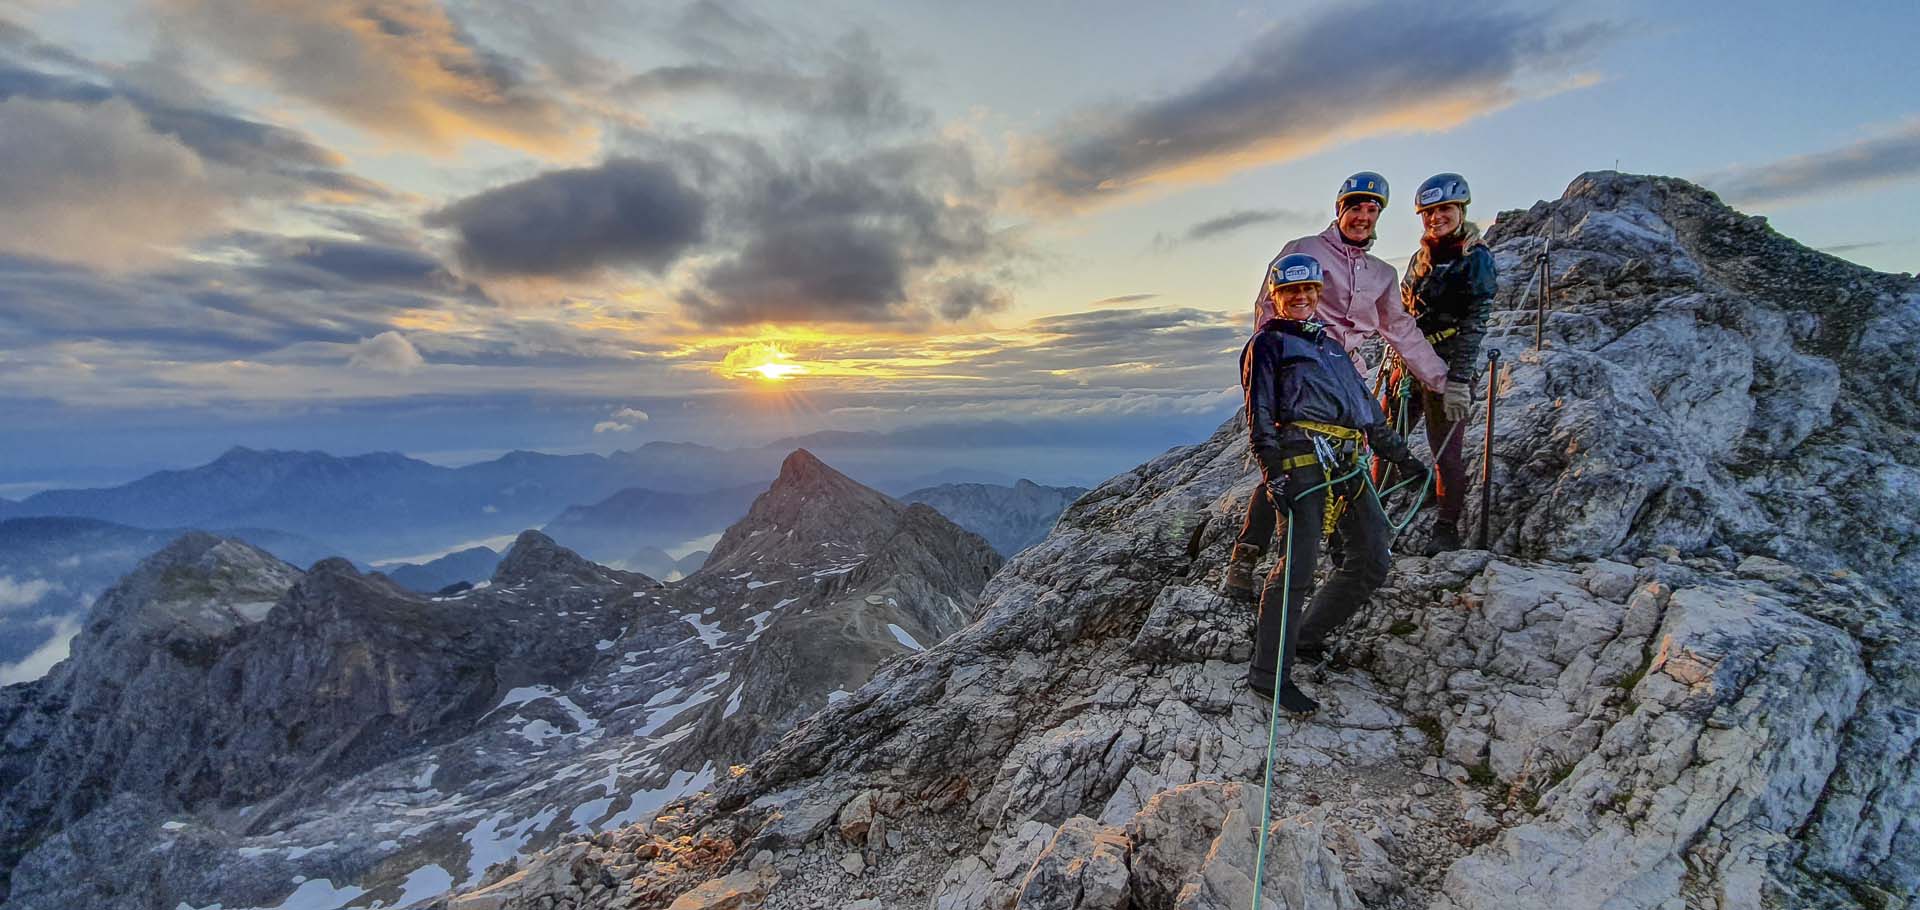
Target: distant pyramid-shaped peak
x=809, y=505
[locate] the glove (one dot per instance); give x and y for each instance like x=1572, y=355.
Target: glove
x=1459, y=399
x=1277, y=491
x=1270, y=459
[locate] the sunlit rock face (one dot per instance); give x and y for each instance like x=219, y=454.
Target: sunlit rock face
x=1683, y=676
x=230, y=730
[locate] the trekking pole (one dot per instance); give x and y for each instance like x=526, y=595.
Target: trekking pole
x=1486, y=447
x=1545, y=266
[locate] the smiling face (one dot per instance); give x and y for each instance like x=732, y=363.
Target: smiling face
x=1357, y=219
x=1296, y=301
x=1441, y=220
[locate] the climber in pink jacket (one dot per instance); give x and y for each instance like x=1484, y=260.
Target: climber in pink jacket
x=1360, y=299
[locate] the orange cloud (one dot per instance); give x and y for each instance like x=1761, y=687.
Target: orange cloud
x=401, y=69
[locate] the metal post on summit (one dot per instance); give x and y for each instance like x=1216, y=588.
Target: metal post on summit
x=1543, y=263
x=1486, y=447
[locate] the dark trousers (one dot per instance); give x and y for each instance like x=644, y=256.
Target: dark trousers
x=1365, y=529
x=1450, y=471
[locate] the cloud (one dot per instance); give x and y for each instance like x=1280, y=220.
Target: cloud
x=36, y=665
x=572, y=222
x=1891, y=156
x=94, y=184
x=22, y=593
x=847, y=83
x=1304, y=85
x=892, y=235
x=1125, y=298
x=401, y=69
x=623, y=420
x=387, y=352
x=249, y=158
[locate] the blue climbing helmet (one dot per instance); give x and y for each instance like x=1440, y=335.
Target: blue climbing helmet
x=1294, y=268
x=1365, y=183
x=1441, y=189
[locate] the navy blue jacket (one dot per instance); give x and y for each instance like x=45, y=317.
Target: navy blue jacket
x=1293, y=371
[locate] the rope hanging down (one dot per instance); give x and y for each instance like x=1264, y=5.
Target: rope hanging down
x=1325, y=451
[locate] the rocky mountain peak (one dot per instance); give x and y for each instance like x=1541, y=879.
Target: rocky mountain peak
x=534, y=555
x=810, y=505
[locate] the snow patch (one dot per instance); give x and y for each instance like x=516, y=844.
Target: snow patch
x=900, y=635
x=421, y=883
x=490, y=843
x=759, y=621
x=644, y=803
x=733, y=702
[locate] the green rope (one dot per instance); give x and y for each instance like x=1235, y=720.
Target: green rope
x=1273, y=713
x=1286, y=591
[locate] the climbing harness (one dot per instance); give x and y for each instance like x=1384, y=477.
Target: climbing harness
x=1329, y=459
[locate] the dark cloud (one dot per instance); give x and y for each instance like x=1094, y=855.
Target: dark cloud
x=964, y=297
x=1230, y=222
x=1877, y=160
x=1226, y=224
x=848, y=84
x=1125, y=298
x=572, y=222
x=1839, y=248
x=1308, y=81
x=204, y=311
x=879, y=237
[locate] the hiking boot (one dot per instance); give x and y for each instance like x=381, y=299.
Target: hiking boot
x=1237, y=581
x=1446, y=536
x=1292, y=700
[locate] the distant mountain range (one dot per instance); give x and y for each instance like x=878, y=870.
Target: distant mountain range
x=615, y=529
x=1010, y=518
x=384, y=505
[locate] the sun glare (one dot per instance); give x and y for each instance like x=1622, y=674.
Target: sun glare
x=763, y=360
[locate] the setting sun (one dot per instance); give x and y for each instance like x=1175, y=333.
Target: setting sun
x=761, y=360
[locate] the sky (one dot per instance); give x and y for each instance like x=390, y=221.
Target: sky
x=458, y=228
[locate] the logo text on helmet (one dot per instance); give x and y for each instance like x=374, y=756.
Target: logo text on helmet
x=1431, y=194
x=1298, y=273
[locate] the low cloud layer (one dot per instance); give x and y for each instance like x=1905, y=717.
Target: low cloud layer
x=1891, y=156
x=1302, y=85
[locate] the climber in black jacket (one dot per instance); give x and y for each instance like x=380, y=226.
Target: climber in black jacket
x=1449, y=288
x=1300, y=386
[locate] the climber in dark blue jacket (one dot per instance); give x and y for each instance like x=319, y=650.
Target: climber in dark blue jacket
x=1301, y=387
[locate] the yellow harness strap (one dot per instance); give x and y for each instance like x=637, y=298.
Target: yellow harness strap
x=1443, y=335
x=1344, y=434
x=1298, y=461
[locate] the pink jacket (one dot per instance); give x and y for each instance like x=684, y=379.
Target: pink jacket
x=1361, y=299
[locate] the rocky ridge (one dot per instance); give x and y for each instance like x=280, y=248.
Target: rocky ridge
x=332, y=738
x=1684, y=676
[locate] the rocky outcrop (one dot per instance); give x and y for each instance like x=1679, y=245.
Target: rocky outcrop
x=1677, y=680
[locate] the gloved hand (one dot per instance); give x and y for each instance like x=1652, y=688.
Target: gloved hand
x=1459, y=400
x=1277, y=491
x=1276, y=478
